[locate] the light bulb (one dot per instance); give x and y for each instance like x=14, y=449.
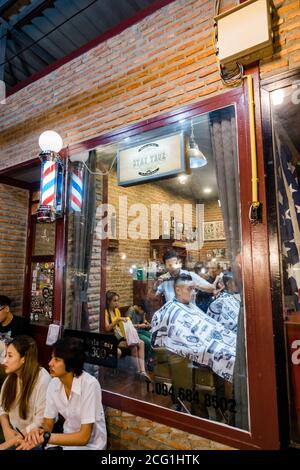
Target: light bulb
x=182, y=179
x=50, y=141
x=80, y=157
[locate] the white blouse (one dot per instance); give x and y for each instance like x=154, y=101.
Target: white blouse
x=37, y=403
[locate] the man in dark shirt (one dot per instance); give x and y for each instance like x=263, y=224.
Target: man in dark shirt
x=11, y=325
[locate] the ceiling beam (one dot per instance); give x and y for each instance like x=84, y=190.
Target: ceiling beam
x=29, y=12
x=3, y=36
x=5, y=4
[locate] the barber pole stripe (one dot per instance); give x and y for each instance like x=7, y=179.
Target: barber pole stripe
x=76, y=189
x=48, y=183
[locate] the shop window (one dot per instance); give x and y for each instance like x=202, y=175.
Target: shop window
x=284, y=105
x=190, y=352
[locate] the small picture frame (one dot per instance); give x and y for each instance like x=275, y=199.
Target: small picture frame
x=178, y=230
x=166, y=229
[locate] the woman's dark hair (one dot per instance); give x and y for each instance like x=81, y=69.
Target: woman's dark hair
x=71, y=350
x=26, y=347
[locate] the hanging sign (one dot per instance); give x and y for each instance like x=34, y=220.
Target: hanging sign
x=151, y=160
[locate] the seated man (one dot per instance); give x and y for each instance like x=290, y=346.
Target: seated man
x=11, y=325
x=225, y=309
x=182, y=328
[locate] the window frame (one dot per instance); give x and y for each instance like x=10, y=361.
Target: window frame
x=258, y=308
x=277, y=82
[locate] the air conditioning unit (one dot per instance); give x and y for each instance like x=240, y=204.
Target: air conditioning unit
x=245, y=33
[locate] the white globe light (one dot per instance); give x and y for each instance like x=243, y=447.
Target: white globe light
x=50, y=141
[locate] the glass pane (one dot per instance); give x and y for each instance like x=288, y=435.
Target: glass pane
x=42, y=284
x=188, y=354
x=44, y=243
x=285, y=116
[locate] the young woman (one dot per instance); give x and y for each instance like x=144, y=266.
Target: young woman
x=23, y=394
x=74, y=394
x=114, y=322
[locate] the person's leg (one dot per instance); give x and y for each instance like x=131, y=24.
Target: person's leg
x=134, y=354
x=141, y=356
x=145, y=337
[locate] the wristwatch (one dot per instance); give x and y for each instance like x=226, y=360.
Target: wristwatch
x=46, y=437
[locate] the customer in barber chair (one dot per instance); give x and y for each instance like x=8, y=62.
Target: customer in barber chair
x=181, y=327
x=226, y=308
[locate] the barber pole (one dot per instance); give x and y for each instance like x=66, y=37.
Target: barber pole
x=51, y=187
x=76, y=188
x=48, y=183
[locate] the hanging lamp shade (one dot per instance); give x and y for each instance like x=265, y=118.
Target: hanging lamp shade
x=196, y=157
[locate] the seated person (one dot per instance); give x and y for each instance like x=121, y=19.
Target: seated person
x=165, y=283
x=225, y=309
x=11, y=325
x=137, y=315
x=182, y=328
x=76, y=396
x=114, y=322
x=23, y=394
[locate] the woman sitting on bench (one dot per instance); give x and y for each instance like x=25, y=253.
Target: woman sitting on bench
x=114, y=322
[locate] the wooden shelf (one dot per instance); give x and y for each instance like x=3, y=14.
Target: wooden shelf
x=113, y=244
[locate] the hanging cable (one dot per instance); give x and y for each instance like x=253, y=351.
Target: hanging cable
x=229, y=77
x=100, y=173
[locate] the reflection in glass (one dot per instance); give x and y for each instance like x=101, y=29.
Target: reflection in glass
x=189, y=355
x=286, y=143
x=44, y=242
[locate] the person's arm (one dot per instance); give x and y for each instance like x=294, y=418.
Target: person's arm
x=80, y=438
x=8, y=431
x=14, y=441
x=39, y=402
x=202, y=284
x=109, y=326
x=36, y=436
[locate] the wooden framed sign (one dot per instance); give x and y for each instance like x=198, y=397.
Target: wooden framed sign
x=152, y=159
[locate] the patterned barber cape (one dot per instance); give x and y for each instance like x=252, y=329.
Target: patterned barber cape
x=187, y=331
x=225, y=310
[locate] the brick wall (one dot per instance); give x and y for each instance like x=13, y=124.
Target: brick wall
x=163, y=62
x=129, y=432
x=13, y=235
x=286, y=28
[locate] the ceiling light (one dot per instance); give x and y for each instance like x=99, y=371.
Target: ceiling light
x=207, y=190
x=182, y=179
x=79, y=157
x=197, y=159
x=277, y=97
